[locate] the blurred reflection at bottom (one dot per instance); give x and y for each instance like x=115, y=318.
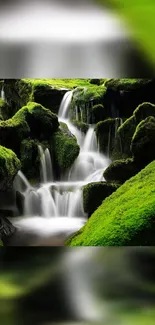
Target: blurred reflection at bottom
x=86, y=285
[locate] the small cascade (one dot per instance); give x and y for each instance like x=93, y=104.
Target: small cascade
x=65, y=104
x=46, y=172
x=2, y=93
x=109, y=142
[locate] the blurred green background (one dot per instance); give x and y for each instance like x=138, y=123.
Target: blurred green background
x=139, y=15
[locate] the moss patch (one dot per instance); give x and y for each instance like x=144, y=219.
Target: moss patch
x=65, y=148
x=4, y=110
x=83, y=127
x=143, y=142
x=126, y=84
x=9, y=166
x=121, y=170
x=95, y=193
x=125, y=218
x=32, y=120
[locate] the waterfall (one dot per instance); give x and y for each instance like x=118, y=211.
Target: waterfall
x=2, y=93
x=46, y=172
x=62, y=200
x=65, y=104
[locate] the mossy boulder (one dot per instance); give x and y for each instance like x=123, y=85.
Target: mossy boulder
x=143, y=142
x=9, y=166
x=65, y=148
x=84, y=98
x=4, y=110
x=32, y=120
x=124, y=136
x=83, y=127
x=30, y=160
x=125, y=218
x=144, y=110
x=106, y=135
x=48, y=96
x=95, y=193
x=98, y=113
x=42, y=121
x=120, y=170
x=124, y=95
x=18, y=93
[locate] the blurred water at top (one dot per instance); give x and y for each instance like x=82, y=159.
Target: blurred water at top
x=65, y=39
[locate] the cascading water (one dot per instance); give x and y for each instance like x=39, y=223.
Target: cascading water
x=59, y=204
x=2, y=93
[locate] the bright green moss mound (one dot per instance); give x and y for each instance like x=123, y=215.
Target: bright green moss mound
x=120, y=170
x=65, y=148
x=125, y=218
x=59, y=83
x=89, y=93
x=9, y=166
x=95, y=193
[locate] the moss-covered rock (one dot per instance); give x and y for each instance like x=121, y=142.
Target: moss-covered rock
x=124, y=136
x=30, y=160
x=84, y=98
x=48, y=96
x=95, y=193
x=42, y=121
x=143, y=142
x=83, y=127
x=106, y=135
x=126, y=84
x=32, y=120
x=9, y=166
x=144, y=110
x=65, y=148
x=98, y=113
x=18, y=93
x=125, y=218
x=124, y=95
x=4, y=110
x=120, y=170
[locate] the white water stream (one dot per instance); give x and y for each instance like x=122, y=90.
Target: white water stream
x=2, y=93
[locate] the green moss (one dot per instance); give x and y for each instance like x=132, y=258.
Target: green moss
x=1, y=243
x=95, y=193
x=83, y=127
x=9, y=166
x=120, y=170
x=125, y=218
x=124, y=136
x=126, y=84
x=89, y=93
x=18, y=93
x=65, y=148
x=98, y=112
x=59, y=83
x=144, y=110
x=30, y=160
x=105, y=132
x=4, y=110
x=143, y=142
x=31, y=120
